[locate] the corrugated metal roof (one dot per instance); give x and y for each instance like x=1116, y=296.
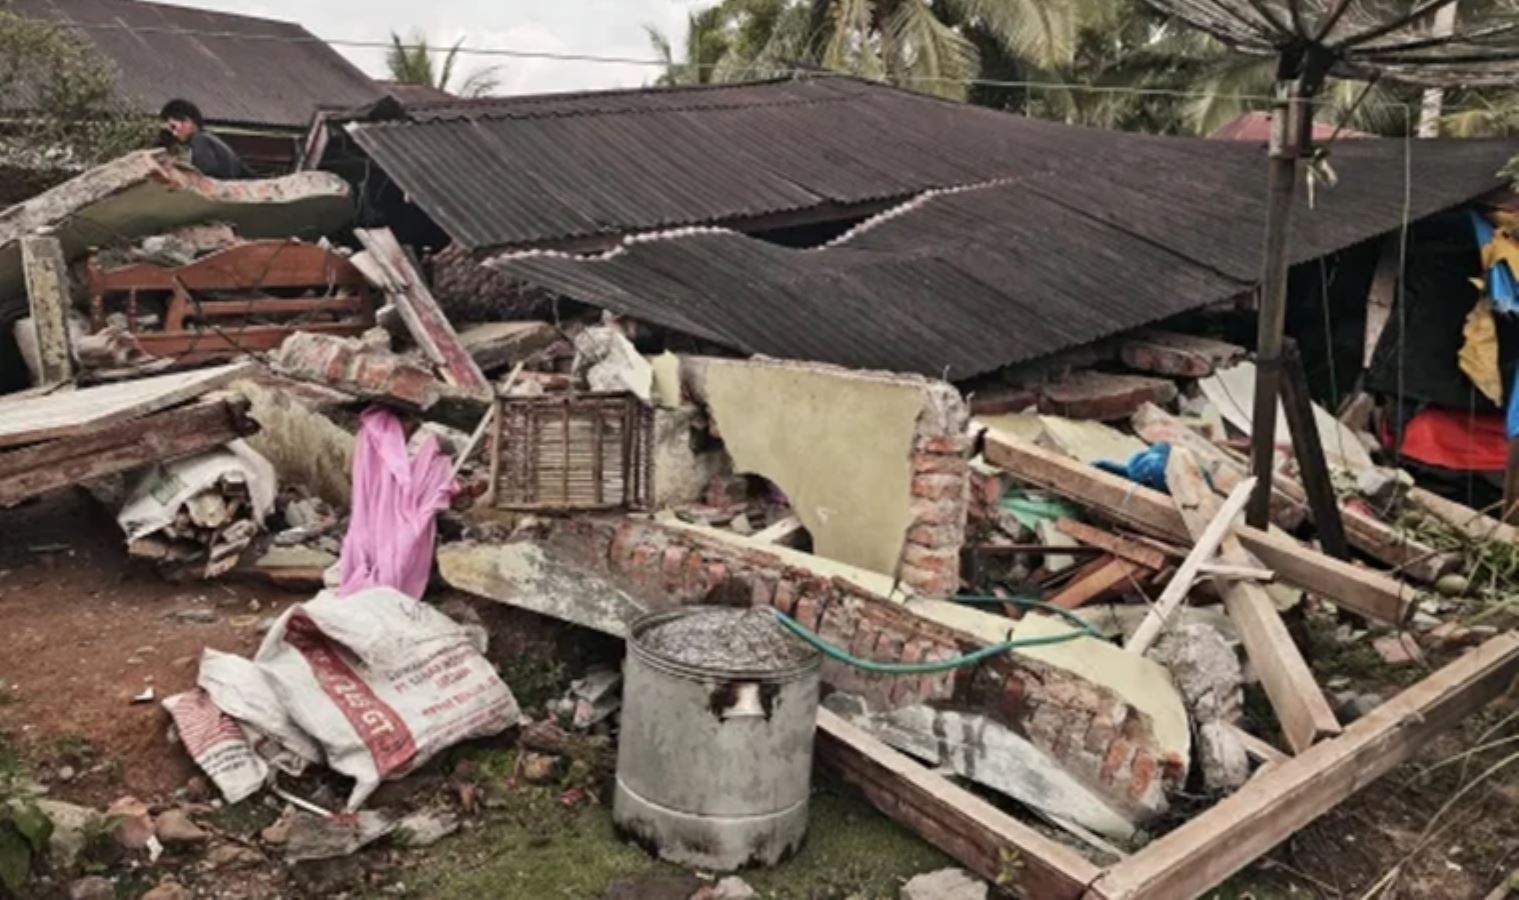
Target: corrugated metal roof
x=237, y=69
x=964, y=282
x=531, y=171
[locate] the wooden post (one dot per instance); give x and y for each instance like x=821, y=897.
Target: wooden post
x=47, y=289
x=1310, y=454
x=1288, y=125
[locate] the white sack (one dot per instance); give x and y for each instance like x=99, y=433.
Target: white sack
x=217, y=744
x=239, y=688
x=162, y=489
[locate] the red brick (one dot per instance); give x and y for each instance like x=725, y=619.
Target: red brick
x=644, y=560
x=1141, y=774
x=938, y=512
x=717, y=574
x=694, y=580
x=761, y=590
x=936, y=535
x=939, y=487
x=930, y=584
x=807, y=609
x=672, y=566
x=785, y=596
x=938, y=560
x=905, y=689
x=926, y=463
x=863, y=642
x=947, y=444
x=1119, y=754
x=625, y=540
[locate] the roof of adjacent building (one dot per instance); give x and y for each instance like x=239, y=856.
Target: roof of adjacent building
x=415, y=94
x=958, y=283
x=1256, y=126
x=237, y=69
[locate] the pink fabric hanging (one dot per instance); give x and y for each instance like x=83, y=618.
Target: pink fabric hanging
x=395, y=503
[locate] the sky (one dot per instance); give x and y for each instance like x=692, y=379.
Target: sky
x=598, y=27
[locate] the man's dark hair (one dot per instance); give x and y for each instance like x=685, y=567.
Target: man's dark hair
x=180, y=108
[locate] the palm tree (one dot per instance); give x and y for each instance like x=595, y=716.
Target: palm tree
x=735, y=40
x=411, y=62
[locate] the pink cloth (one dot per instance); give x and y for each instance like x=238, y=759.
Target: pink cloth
x=395, y=503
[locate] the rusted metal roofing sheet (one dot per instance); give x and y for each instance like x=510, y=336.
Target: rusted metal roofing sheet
x=964, y=282
x=237, y=69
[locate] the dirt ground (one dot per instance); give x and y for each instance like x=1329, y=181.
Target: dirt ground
x=83, y=630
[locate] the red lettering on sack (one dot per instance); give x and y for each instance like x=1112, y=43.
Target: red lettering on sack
x=381, y=728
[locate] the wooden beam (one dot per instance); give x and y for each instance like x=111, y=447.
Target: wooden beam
x=1208, y=541
x=1474, y=524
x=1121, y=547
x=1095, y=580
x=1154, y=425
x=426, y=322
x=1224, y=570
x=1379, y=300
x=1298, y=407
x=1279, y=801
x=161, y=437
x=1255, y=748
x=1370, y=593
x=47, y=290
x=980, y=836
x=1301, y=709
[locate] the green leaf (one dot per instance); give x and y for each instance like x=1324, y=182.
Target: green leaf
x=15, y=859
x=32, y=822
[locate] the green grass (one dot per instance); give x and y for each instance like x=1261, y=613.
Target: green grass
x=539, y=849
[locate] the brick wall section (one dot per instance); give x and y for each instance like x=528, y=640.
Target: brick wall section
x=1098, y=737
x=940, y=494
x=348, y=365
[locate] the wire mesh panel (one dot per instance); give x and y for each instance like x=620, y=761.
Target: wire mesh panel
x=572, y=452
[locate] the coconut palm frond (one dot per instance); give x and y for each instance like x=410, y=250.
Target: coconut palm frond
x=410, y=60
x=930, y=55
x=449, y=59
x=852, y=45
x=481, y=82
x=1038, y=31
x=1234, y=85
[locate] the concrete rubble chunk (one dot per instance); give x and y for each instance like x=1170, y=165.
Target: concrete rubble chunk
x=730, y=888
x=173, y=826
x=610, y=362
x=72, y=827
x=500, y=345
x=315, y=837
x=1206, y=670
x=993, y=755
x=1222, y=756
x=945, y=884
x=146, y=193
x=134, y=825
x=426, y=827
x=92, y=888
x=348, y=365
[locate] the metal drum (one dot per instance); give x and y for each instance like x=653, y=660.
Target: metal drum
x=714, y=765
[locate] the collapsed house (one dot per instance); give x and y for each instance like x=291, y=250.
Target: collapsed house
x=929, y=381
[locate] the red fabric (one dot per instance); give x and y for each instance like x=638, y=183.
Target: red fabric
x=1456, y=440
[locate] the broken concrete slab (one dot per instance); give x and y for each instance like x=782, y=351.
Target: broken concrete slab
x=347, y=364
x=682, y=466
x=991, y=754
x=497, y=346
x=304, y=446
x=1081, y=439
x=1232, y=390
x=1222, y=755
x=864, y=458
x=526, y=575
x=1206, y=669
x=1177, y=355
x=146, y=193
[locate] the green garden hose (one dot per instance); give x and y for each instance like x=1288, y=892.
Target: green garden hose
x=834, y=652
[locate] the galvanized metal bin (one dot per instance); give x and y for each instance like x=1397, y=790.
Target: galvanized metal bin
x=714, y=767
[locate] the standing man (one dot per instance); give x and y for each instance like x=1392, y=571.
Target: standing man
x=208, y=153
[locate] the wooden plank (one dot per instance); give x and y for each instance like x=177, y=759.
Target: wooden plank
x=1298, y=407
x=1371, y=594
x=983, y=838
x=1301, y=709
x=1476, y=525
x=1155, y=425
x=47, y=291
x=1383, y=542
x=1255, y=748
x=1209, y=539
x=426, y=322
x=1121, y=547
x=72, y=413
x=1279, y=801
x=1095, y=580
x=161, y=437
x=1379, y=299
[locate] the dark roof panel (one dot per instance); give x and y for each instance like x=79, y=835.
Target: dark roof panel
x=962, y=282
x=237, y=69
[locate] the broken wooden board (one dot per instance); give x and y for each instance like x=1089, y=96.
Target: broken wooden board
x=1145, y=555
x=428, y=325
x=1478, y=526
x=980, y=836
x=160, y=437
x=1097, y=579
x=1301, y=709
x=47, y=293
x=1283, y=798
x=1288, y=503
x=1099, y=395
x=1371, y=594
x=1177, y=355
x=147, y=193
x=495, y=346
x=73, y=413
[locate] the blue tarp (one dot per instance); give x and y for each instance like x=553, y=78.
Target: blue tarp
x=1501, y=286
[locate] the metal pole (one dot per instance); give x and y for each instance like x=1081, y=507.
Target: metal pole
x=1288, y=124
